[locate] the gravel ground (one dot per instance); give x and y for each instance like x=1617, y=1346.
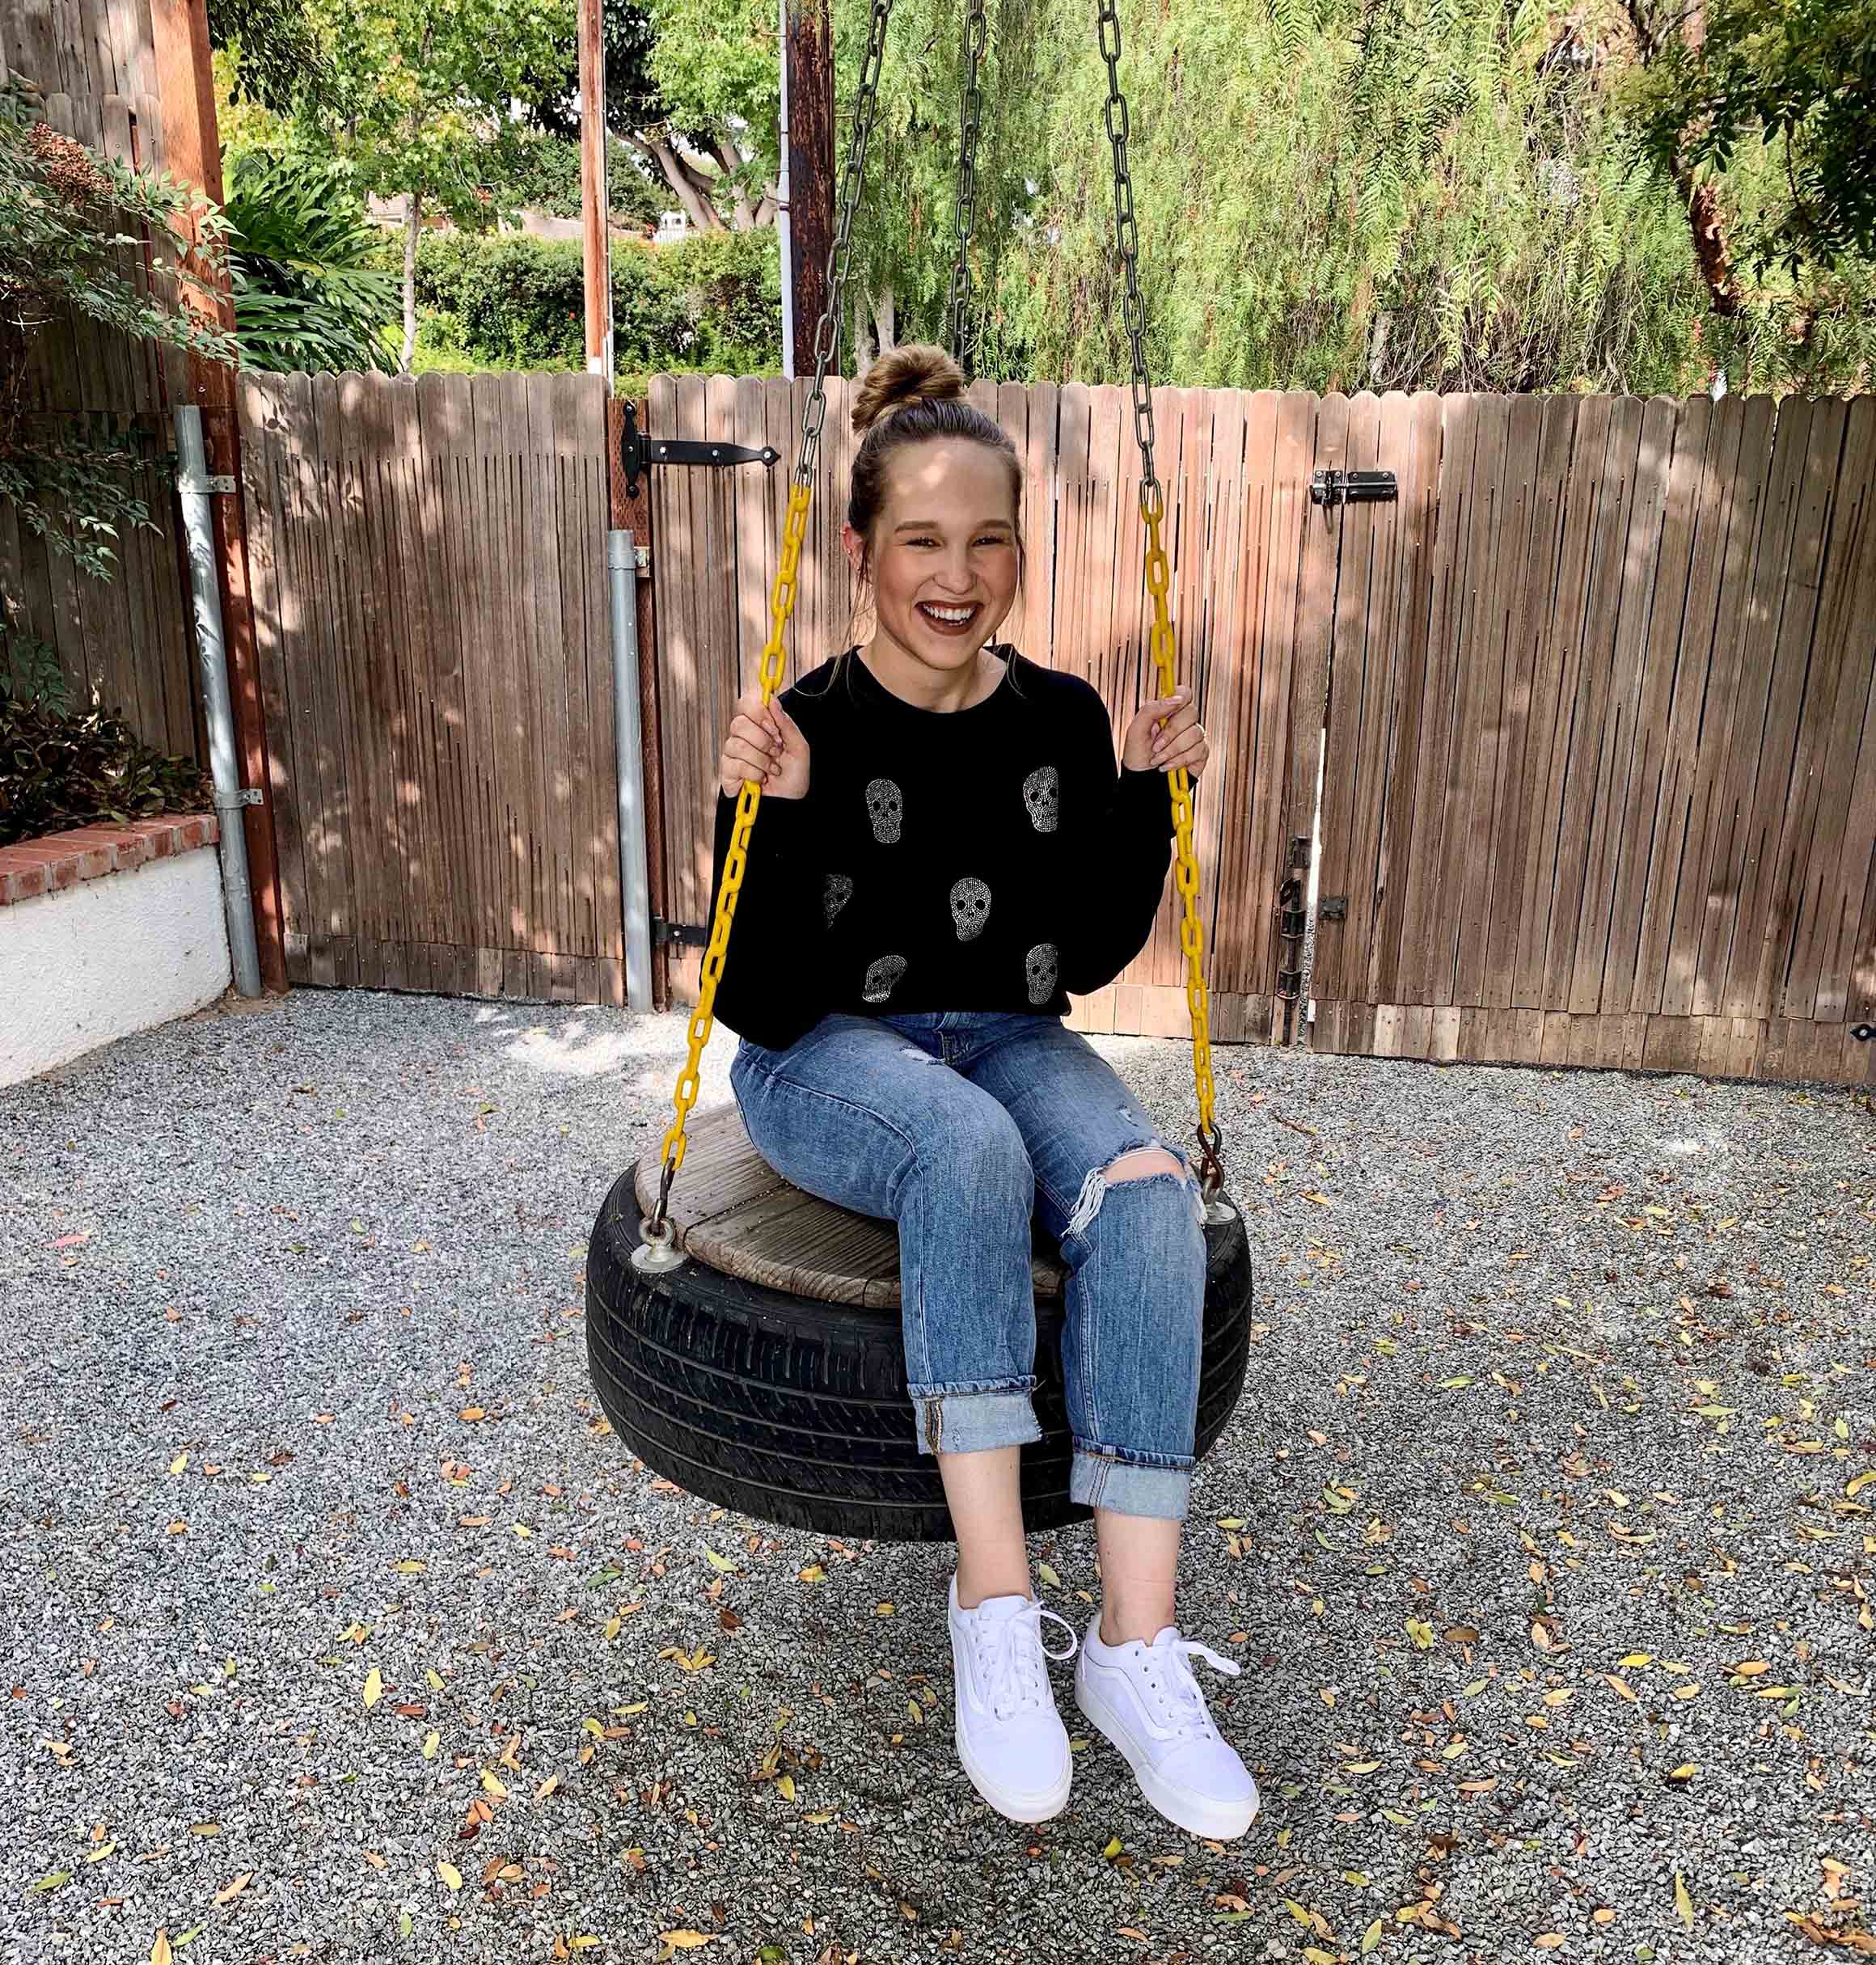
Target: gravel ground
x=1539, y=1534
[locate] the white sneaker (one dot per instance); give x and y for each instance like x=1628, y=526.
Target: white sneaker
x=1010, y=1738
x=1145, y=1698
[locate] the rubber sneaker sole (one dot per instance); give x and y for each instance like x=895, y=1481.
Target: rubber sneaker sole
x=1199, y=1815
x=1017, y=1807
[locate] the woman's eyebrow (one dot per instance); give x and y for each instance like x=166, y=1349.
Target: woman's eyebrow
x=933, y=525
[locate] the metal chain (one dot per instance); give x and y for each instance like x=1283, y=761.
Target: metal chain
x=839, y=253
x=969, y=117
x=1134, y=308
x=656, y=1227
x=1152, y=508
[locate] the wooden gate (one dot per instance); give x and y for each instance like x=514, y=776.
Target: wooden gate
x=430, y=604
x=1600, y=778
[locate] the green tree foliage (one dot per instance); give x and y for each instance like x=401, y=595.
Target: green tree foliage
x=423, y=88
x=72, y=229
x=692, y=87
x=1799, y=76
x=542, y=171
x=276, y=60
x=309, y=293
x=1330, y=194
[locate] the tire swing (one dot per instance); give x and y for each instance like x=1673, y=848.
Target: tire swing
x=746, y=1343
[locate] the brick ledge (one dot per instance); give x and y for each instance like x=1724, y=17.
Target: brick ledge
x=62, y=860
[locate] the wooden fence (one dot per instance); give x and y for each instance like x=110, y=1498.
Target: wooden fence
x=428, y=566
x=1600, y=784
x=95, y=64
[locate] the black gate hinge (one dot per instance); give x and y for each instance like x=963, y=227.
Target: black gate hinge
x=1353, y=487
x=637, y=452
x=685, y=934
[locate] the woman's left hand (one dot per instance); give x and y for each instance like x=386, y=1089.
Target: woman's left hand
x=1182, y=741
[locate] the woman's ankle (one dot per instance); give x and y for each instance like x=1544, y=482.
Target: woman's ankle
x=1114, y=1630
x=993, y=1585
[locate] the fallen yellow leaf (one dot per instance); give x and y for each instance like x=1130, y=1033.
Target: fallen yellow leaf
x=450, y=1874
x=373, y=1686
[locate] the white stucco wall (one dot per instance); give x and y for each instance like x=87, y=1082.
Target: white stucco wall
x=108, y=956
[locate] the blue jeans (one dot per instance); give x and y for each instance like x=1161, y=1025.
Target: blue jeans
x=961, y=1126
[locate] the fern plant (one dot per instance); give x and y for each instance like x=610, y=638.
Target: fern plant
x=308, y=294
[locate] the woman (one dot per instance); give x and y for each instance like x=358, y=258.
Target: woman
x=943, y=852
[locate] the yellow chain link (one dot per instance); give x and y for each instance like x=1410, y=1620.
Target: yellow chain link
x=1191, y=928
x=774, y=660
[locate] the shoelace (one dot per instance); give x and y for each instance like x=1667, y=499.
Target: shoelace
x=1180, y=1700
x=1010, y=1651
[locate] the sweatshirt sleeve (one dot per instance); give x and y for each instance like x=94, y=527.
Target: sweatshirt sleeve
x=1119, y=850
x=766, y=991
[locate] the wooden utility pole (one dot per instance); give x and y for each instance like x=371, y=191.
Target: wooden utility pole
x=594, y=200
x=808, y=55
x=192, y=154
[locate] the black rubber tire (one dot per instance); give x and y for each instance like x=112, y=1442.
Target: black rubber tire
x=795, y=1411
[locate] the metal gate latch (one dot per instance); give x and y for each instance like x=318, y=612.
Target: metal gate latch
x=1353, y=487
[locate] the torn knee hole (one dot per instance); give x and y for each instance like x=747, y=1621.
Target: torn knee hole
x=1137, y=1164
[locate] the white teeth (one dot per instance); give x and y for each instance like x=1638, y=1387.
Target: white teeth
x=948, y=614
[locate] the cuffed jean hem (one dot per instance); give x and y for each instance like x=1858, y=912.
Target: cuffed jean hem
x=973, y=1418
x=1099, y=1479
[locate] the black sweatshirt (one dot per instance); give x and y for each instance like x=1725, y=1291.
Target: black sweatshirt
x=991, y=858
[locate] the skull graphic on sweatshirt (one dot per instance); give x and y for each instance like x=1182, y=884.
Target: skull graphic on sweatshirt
x=1039, y=967
x=1043, y=798
x=885, y=807
x=836, y=891
x=969, y=907
x=882, y=978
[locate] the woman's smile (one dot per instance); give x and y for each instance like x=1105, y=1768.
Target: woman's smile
x=950, y=618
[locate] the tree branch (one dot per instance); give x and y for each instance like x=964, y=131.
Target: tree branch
x=692, y=188
x=1702, y=203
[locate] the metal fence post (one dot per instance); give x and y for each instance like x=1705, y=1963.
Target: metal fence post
x=193, y=491
x=634, y=884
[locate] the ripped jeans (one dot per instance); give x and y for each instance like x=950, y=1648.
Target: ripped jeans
x=962, y=1125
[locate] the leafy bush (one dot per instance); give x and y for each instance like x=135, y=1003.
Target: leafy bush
x=308, y=292
x=67, y=215
x=62, y=769
x=712, y=304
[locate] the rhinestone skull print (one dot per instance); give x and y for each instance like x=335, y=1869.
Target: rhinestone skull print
x=886, y=808
x=969, y=907
x=1043, y=798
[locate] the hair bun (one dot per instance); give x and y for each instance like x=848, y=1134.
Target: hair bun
x=902, y=376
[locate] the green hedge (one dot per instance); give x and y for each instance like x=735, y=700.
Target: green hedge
x=712, y=303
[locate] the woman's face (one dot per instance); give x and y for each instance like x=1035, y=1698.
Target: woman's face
x=946, y=542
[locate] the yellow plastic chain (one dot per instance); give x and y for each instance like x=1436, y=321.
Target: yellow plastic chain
x=1191, y=928
x=748, y=800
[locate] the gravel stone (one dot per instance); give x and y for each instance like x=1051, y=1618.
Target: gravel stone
x=1561, y=1383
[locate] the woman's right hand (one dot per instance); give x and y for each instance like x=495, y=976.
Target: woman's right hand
x=763, y=742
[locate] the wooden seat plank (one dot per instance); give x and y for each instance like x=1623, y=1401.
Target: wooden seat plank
x=735, y=1214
